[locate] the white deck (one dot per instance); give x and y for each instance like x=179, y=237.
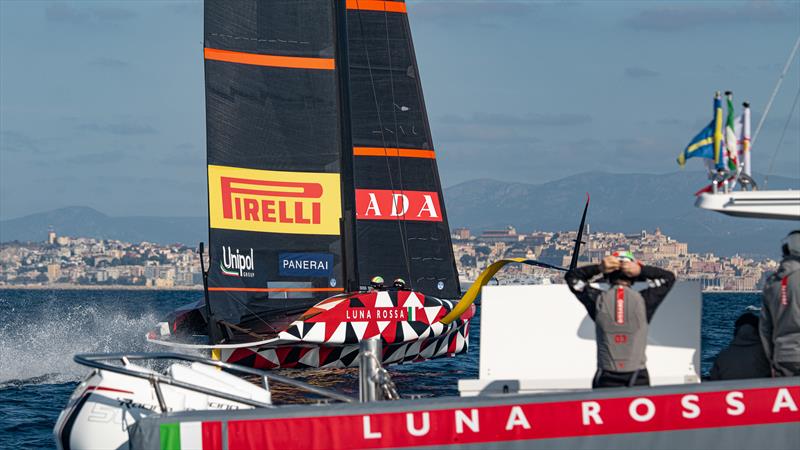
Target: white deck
x=778, y=204
x=540, y=338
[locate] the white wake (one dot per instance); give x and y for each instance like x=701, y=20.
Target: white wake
x=37, y=344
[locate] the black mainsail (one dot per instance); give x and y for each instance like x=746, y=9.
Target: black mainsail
x=307, y=162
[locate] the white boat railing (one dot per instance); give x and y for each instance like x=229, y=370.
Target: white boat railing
x=102, y=361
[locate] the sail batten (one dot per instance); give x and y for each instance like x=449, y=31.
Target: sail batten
x=394, y=152
x=259, y=59
x=377, y=5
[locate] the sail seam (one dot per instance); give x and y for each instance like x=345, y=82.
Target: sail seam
x=255, y=59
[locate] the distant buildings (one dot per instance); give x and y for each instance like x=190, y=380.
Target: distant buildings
x=508, y=235
x=461, y=234
x=714, y=273
x=60, y=260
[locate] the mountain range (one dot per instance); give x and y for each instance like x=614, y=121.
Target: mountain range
x=82, y=221
x=625, y=203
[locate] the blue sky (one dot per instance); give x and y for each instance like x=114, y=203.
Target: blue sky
x=101, y=102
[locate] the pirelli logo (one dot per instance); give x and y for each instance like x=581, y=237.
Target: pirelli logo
x=274, y=202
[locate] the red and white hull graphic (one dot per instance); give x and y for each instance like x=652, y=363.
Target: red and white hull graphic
x=327, y=335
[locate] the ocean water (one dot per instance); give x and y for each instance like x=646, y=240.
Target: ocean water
x=40, y=331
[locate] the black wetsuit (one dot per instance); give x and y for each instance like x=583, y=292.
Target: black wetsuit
x=660, y=282
x=743, y=358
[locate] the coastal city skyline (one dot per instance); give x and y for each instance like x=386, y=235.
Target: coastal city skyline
x=80, y=262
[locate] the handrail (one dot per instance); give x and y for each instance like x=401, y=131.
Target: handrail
x=98, y=361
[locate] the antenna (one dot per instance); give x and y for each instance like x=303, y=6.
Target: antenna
x=579, y=239
x=775, y=91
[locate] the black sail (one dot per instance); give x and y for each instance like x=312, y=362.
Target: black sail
x=402, y=229
x=274, y=157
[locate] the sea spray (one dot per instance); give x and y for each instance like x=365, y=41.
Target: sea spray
x=42, y=330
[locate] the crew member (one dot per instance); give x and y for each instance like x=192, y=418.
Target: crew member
x=780, y=312
x=377, y=283
x=399, y=284
x=744, y=357
x=621, y=315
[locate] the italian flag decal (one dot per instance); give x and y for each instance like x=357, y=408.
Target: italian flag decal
x=191, y=436
x=412, y=314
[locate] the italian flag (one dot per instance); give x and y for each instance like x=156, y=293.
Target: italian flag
x=191, y=436
x=412, y=314
x=731, y=142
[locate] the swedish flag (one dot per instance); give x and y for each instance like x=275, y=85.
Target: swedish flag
x=708, y=142
x=701, y=146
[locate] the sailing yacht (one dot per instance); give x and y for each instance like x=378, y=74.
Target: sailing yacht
x=322, y=174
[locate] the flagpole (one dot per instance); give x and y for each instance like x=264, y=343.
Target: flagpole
x=719, y=154
x=746, y=138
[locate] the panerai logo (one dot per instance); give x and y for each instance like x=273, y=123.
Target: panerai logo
x=236, y=264
x=305, y=264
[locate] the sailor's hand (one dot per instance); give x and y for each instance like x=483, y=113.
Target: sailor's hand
x=631, y=269
x=609, y=264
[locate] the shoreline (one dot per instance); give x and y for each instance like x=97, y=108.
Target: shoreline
x=123, y=287
x=95, y=287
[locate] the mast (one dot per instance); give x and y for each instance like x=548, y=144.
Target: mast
x=348, y=238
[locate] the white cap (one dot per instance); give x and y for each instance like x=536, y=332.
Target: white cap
x=792, y=242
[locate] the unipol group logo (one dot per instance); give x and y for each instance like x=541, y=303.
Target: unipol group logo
x=377, y=204
x=274, y=202
x=236, y=264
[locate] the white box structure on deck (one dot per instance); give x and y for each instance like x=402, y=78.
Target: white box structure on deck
x=540, y=338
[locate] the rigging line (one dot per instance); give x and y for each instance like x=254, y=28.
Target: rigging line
x=380, y=124
x=783, y=134
x=429, y=137
x=775, y=91
x=402, y=226
x=257, y=316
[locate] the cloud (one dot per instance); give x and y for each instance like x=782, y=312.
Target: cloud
x=640, y=73
x=119, y=128
x=537, y=119
x=466, y=13
x=111, y=13
x=108, y=63
x=16, y=142
x=188, y=8
x=95, y=14
x=494, y=127
x=184, y=155
x=22, y=143
x=686, y=17
x=550, y=159
x=185, y=146
x=95, y=158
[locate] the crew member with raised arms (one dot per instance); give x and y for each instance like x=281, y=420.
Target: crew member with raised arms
x=621, y=315
x=780, y=313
